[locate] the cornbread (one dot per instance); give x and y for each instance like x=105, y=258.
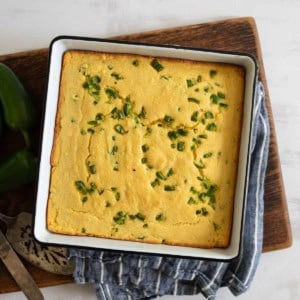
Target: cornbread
x=146, y=149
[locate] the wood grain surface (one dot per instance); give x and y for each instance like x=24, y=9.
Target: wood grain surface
x=230, y=35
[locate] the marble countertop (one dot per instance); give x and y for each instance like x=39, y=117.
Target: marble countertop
x=32, y=24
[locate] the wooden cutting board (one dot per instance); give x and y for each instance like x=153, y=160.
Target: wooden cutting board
x=230, y=35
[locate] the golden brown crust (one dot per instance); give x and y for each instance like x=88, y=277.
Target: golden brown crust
x=57, y=127
x=218, y=244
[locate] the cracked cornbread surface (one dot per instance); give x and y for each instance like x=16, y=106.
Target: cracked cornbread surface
x=146, y=149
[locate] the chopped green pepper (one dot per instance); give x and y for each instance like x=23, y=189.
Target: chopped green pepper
x=211, y=127
x=212, y=73
x=116, y=76
x=111, y=93
x=224, y=105
x=214, y=98
x=209, y=115
x=155, y=182
x=221, y=95
x=135, y=63
x=182, y=132
x=120, y=129
x=120, y=218
x=160, y=217
x=114, y=150
x=194, y=116
x=191, y=201
x=138, y=216
x=170, y=188
x=91, y=168
x=142, y=113
x=169, y=120
x=145, y=148
x=207, y=155
x=181, y=146
x=160, y=175
x=170, y=172
x=156, y=65
x=191, y=99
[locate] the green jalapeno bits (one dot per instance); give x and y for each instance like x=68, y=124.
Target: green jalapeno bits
x=170, y=188
x=181, y=146
x=120, y=129
x=194, y=116
x=156, y=65
x=194, y=100
x=160, y=217
x=211, y=127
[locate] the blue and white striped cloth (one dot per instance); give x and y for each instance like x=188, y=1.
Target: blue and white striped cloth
x=117, y=275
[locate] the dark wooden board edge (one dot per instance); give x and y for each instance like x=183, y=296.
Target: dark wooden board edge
x=273, y=145
x=41, y=277
x=47, y=279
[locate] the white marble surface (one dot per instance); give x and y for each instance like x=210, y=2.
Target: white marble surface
x=31, y=24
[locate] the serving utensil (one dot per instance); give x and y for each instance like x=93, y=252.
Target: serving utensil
x=48, y=258
x=18, y=271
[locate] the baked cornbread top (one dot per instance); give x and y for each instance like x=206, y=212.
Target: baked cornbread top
x=146, y=149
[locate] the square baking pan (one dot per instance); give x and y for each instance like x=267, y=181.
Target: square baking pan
x=57, y=49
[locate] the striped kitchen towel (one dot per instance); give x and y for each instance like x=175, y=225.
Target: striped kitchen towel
x=117, y=275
